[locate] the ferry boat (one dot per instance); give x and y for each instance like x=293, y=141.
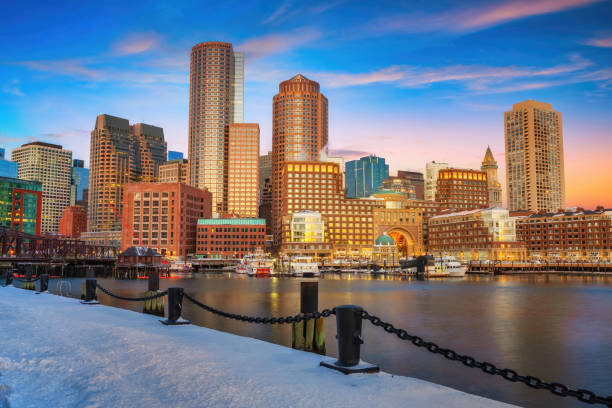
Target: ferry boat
x=242, y=268
x=408, y=265
x=304, y=266
x=448, y=266
x=258, y=264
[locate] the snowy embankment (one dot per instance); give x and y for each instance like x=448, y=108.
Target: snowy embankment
x=57, y=352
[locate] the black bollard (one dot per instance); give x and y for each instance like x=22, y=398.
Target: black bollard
x=28, y=273
x=154, y=280
x=90, y=292
x=348, y=326
x=9, y=278
x=44, y=282
x=175, y=307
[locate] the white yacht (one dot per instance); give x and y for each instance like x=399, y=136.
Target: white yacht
x=448, y=266
x=257, y=264
x=304, y=266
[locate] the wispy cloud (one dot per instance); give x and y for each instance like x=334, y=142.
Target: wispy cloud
x=280, y=11
x=136, y=43
x=605, y=42
x=338, y=80
x=476, y=18
x=290, y=8
x=12, y=88
x=260, y=47
x=348, y=152
x=71, y=135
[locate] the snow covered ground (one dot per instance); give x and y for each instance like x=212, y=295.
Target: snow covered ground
x=57, y=352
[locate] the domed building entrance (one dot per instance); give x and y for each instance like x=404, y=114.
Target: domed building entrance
x=404, y=242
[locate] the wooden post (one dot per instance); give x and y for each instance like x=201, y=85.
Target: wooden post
x=154, y=306
x=309, y=335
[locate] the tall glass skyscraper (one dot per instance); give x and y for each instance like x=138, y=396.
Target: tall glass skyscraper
x=7, y=168
x=216, y=99
x=80, y=179
x=364, y=176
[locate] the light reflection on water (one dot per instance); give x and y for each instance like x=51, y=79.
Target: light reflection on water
x=558, y=328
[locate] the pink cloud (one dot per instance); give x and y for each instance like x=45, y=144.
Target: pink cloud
x=136, y=43
x=336, y=80
x=605, y=42
x=260, y=47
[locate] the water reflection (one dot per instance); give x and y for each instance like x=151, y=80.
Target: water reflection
x=558, y=328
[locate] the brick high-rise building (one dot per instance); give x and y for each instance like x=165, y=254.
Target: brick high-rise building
x=163, y=216
x=73, y=222
x=462, y=189
x=299, y=133
x=242, y=165
x=535, y=176
x=216, y=99
x=119, y=154
x=51, y=165
x=489, y=165
x=174, y=171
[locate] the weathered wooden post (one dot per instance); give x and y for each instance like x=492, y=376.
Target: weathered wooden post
x=153, y=306
x=90, y=292
x=175, y=307
x=309, y=335
x=44, y=282
x=348, y=325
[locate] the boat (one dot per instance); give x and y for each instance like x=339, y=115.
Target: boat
x=258, y=263
x=303, y=266
x=408, y=265
x=242, y=268
x=448, y=266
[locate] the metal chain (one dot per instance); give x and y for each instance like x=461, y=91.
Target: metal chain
x=263, y=320
x=489, y=368
x=139, y=299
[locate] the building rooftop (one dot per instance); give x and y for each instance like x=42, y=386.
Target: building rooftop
x=139, y=251
x=231, y=221
x=44, y=144
x=384, y=240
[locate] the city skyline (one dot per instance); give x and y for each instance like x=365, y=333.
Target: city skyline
x=413, y=100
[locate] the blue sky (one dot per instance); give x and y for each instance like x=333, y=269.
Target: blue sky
x=411, y=81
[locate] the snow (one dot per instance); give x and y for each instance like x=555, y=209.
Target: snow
x=57, y=352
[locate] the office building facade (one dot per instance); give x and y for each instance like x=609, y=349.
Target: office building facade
x=49, y=164
x=173, y=155
x=242, y=166
x=535, y=175
x=462, y=189
x=229, y=238
x=431, y=178
x=21, y=205
x=73, y=222
x=175, y=171
x=365, y=176
x=416, y=179
x=80, y=180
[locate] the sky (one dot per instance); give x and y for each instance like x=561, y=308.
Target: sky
x=411, y=81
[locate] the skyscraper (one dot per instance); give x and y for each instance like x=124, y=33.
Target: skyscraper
x=489, y=165
x=49, y=164
x=7, y=168
x=431, y=178
x=535, y=177
x=243, y=158
x=364, y=176
x=216, y=99
x=151, y=151
x=265, y=189
x=415, y=178
x=299, y=133
x=119, y=154
x=172, y=155
x=80, y=181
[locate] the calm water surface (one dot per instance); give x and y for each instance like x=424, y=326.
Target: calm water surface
x=556, y=328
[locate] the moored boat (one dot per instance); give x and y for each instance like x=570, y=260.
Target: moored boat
x=304, y=266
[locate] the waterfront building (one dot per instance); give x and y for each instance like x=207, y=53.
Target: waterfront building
x=365, y=176
x=415, y=178
x=229, y=238
x=399, y=218
x=216, y=99
x=384, y=252
x=307, y=236
x=489, y=165
x=431, y=178
x=150, y=151
x=7, y=168
x=400, y=185
x=462, y=189
x=73, y=222
x=299, y=133
x=163, y=216
x=574, y=234
x=478, y=235
x=317, y=186
x=340, y=162
x=427, y=209
x=21, y=205
x=49, y=164
x=174, y=171
x=105, y=238
x=172, y=155
x=119, y=154
x=80, y=181
x=535, y=175
x=242, y=166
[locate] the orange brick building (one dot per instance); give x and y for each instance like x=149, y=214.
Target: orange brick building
x=73, y=222
x=242, y=165
x=462, y=189
x=163, y=216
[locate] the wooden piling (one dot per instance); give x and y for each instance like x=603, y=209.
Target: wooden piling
x=309, y=335
x=153, y=306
